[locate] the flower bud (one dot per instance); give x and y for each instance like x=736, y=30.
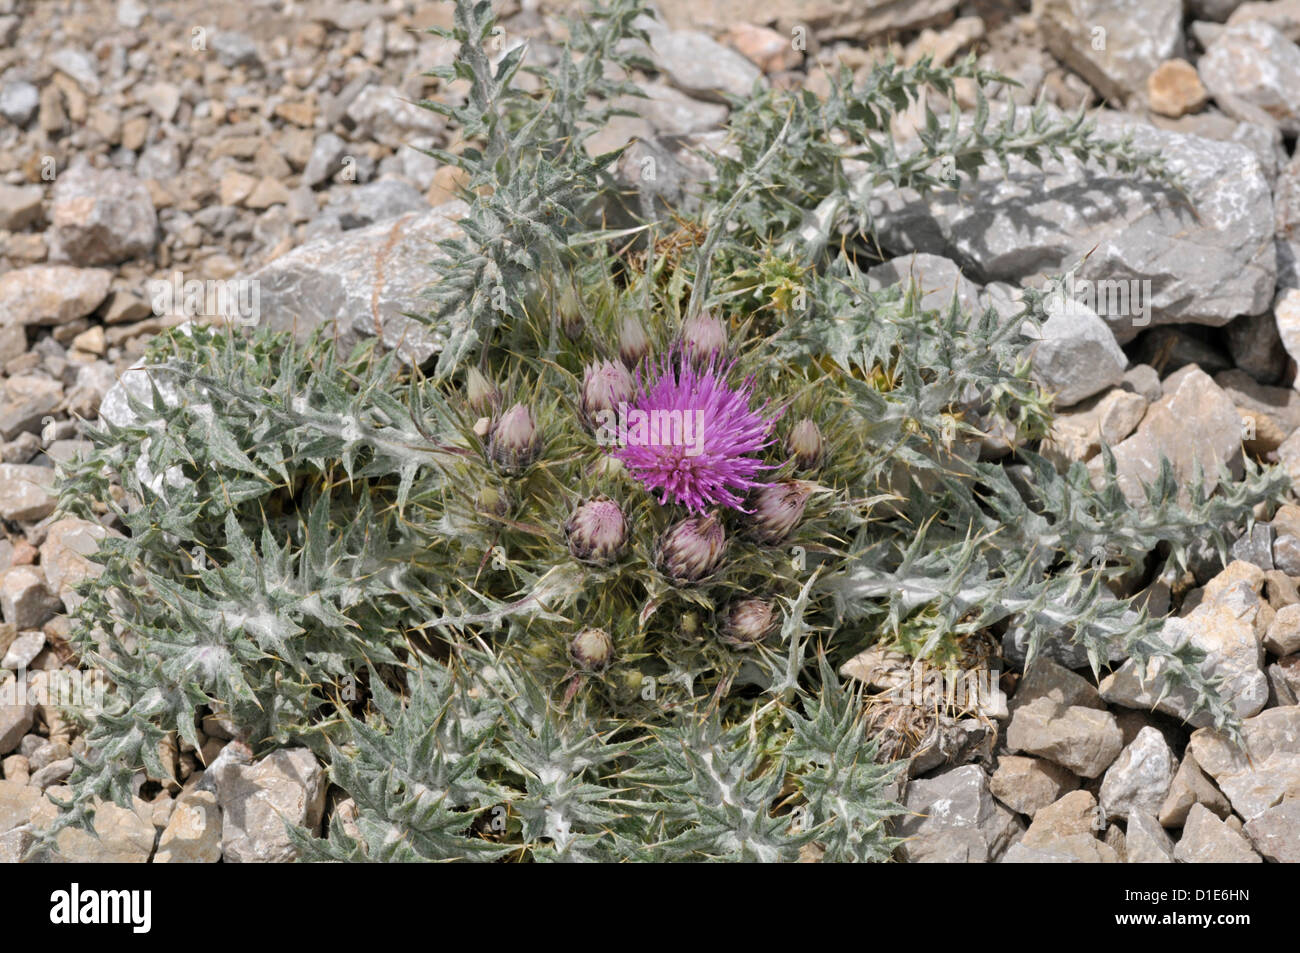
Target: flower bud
x=481, y=396
x=748, y=621
x=596, y=532
x=633, y=344
x=805, y=445
x=688, y=627
x=592, y=650
x=691, y=549
x=515, y=441
x=569, y=309
x=493, y=500
x=778, y=508
x=604, y=386
x=704, y=337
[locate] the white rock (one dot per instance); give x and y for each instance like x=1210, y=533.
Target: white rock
x=257, y=800
x=1139, y=779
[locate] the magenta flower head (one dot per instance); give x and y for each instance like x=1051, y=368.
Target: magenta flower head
x=692, y=437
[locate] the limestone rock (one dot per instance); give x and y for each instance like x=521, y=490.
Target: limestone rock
x=1174, y=89
x=51, y=294
x=1254, y=64
x=1208, y=840
x=1028, y=784
x=1114, y=45
x=1084, y=740
x=954, y=818
x=26, y=492
x=257, y=800
x=1275, y=833
x=1023, y=226
x=1191, y=786
x=1139, y=779
x=100, y=217
x=1146, y=842
x=1263, y=772
x=1196, y=424
x=362, y=281
x=24, y=601
x=1075, y=355
x=193, y=832
x=1223, y=627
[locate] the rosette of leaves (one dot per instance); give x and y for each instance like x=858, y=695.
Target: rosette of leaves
x=359, y=555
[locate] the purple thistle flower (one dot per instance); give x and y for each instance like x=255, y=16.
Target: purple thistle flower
x=694, y=438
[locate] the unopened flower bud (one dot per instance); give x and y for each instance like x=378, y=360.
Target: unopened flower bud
x=691, y=549
x=748, y=621
x=778, y=508
x=688, y=627
x=493, y=500
x=592, y=650
x=596, y=532
x=704, y=337
x=481, y=396
x=569, y=308
x=805, y=445
x=516, y=440
x=605, y=385
x=633, y=344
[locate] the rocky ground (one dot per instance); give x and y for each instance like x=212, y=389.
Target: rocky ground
x=274, y=144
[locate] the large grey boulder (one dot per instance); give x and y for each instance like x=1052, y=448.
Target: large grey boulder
x=1150, y=259
x=828, y=19
x=1113, y=44
x=362, y=282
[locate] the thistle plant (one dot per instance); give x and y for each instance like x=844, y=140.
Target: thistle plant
x=571, y=647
